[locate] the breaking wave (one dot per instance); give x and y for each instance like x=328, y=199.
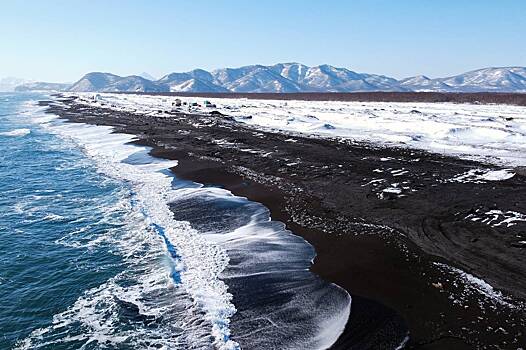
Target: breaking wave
x=16, y=132
x=203, y=268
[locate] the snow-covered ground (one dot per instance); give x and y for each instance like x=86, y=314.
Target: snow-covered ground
x=490, y=133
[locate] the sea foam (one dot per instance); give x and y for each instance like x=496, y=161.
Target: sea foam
x=16, y=132
x=201, y=261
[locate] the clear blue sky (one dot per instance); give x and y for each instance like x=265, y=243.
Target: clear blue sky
x=61, y=40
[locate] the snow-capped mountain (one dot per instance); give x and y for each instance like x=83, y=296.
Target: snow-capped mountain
x=134, y=83
x=423, y=83
x=95, y=81
x=197, y=80
x=296, y=77
x=490, y=79
x=255, y=78
x=244, y=79
x=107, y=82
x=333, y=79
x=503, y=79
x=283, y=77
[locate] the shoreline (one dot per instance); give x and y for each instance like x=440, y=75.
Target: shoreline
x=363, y=264
x=210, y=174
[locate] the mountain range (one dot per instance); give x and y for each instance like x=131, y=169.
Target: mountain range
x=292, y=77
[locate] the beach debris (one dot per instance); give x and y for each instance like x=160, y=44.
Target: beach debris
x=216, y=114
x=437, y=285
x=391, y=192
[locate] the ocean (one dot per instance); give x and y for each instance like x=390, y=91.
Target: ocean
x=103, y=247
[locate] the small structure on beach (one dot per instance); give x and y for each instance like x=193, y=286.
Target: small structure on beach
x=97, y=97
x=177, y=102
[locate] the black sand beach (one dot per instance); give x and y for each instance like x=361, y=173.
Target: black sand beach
x=385, y=250
x=518, y=99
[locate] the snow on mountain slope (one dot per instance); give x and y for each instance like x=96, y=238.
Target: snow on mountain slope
x=490, y=79
x=503, y=79
x=423, y=83
x=329, y=78
x=293, y=71
x=197, y=80
x=333, y=79
x=296, y=77
x=254, y=79
x=95, y=81
x=196, y=85
x=134, y=83
x=107, y=82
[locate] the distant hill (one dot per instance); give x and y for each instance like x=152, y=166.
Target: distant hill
x=107, y=82
x=503, y=79
x=41, y=86
x=10, y=83
x=296, y=77
x=95, y=81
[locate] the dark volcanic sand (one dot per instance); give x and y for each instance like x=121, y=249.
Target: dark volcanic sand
x=381, y=250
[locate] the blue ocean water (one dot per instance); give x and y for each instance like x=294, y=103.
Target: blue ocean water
x=76, y=257
x=49, y=194
x=101, y=247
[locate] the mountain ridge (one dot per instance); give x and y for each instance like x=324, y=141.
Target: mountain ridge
x=296, y=77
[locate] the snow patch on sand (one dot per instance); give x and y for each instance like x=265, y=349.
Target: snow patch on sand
x=483, y=175
x=497, y=217
x=490, y=133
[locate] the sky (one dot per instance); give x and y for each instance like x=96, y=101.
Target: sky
x=59, y=41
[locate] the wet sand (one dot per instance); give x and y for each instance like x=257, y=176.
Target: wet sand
x=383, y=251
